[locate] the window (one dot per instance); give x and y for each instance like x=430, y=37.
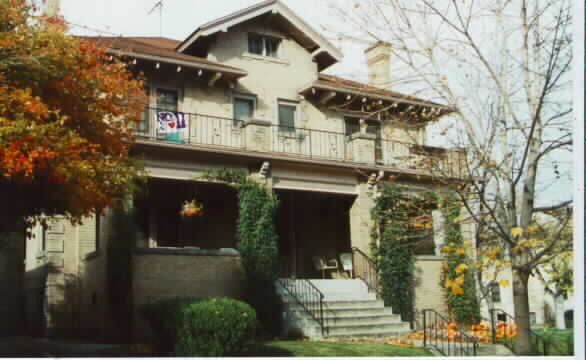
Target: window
x=143, y=126
x=243, y=109
x=167, y=100
x=263, y=45
x=287, y=113
x=495, y=293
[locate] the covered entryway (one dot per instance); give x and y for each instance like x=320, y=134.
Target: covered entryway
x=161, y=224
x=312, y=224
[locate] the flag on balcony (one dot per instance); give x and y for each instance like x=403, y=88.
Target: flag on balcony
x=172, y=125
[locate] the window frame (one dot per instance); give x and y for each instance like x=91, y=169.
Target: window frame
x=287, y=129
x=246, y=97
x=265, y=45
x=155, y=105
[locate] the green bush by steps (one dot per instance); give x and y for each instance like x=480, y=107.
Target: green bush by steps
x=201, y=327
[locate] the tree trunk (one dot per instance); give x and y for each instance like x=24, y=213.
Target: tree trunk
x=521, y=301
x=558, y=303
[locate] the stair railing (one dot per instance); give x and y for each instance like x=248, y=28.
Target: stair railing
x=446, y=337
x=365, y=269
x=309, y=297
x=502, y=329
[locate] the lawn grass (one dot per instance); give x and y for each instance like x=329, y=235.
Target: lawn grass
x=560, y=341
x=331, y=349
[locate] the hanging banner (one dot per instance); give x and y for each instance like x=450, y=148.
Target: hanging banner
x=172, y=126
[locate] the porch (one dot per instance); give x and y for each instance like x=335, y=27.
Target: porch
x=254, y=136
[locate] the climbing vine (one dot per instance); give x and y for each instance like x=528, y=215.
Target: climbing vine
x=395, y=216
x=257, y=242
x=458, y=276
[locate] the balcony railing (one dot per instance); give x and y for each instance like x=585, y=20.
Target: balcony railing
x=188, y=128
x=310, y=143
x=206, y=130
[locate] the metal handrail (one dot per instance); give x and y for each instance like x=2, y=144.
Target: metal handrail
x=309, y=297
x=535, y=338
x=447, y=337
x=365, y=269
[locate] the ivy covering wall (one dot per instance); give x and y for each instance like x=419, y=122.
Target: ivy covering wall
x=392, y=249
x=257, y=243
x=458, y=277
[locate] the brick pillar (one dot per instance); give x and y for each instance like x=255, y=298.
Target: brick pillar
x=360, y=220
x=258, y=135
x=363, y=147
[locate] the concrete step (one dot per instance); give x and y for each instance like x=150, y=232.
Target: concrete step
x=362, y=320
x=341, y=304
x=354, y=304
x=349, y=311
x=368, y=330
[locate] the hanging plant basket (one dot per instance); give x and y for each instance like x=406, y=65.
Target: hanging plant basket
x=191, y=208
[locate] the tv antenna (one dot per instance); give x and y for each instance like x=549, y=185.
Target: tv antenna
x=159, y=6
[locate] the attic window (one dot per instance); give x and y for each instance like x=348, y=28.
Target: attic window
x=263, y=45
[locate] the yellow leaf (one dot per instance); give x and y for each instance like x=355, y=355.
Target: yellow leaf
x=446, y=249
x=461, y=251
x=460, y=268
x=504, y=283
x=516, y=231
x=449, y=283
x=459, y=280
x=456, y=289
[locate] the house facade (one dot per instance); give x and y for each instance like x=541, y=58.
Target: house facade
x=246, y=91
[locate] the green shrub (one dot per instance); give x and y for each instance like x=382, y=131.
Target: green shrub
x=206, y=327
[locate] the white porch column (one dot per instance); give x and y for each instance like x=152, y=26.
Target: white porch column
x=439, y=235
x=560, y=321
x=360, y=219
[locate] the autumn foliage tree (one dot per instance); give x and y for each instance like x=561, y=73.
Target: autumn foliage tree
x=66, y=110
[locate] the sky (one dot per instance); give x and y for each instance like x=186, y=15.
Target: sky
x=181, y=17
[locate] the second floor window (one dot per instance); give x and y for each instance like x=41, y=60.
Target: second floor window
x=167, y=100
x=287, y=117
x=263, y=45
x=243, y=109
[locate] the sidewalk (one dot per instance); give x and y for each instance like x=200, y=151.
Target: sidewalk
x=42, y=347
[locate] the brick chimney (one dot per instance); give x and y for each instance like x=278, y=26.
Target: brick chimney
x=378, y=59
x=52, y=7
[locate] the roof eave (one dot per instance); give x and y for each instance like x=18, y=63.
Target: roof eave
x=376, y=96
x=163, y=59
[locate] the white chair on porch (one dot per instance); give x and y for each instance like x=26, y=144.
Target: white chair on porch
x=322, y=265
x=346, y=260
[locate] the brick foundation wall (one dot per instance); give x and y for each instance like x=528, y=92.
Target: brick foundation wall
x=161, y=273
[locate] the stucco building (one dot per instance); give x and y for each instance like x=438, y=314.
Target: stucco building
x=245, y=91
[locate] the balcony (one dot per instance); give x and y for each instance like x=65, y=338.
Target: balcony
x=199, y=130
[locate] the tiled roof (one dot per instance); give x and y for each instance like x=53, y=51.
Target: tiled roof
x=336, y=82
x=154, y=46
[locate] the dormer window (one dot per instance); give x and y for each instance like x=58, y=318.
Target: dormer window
x=263, y=45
